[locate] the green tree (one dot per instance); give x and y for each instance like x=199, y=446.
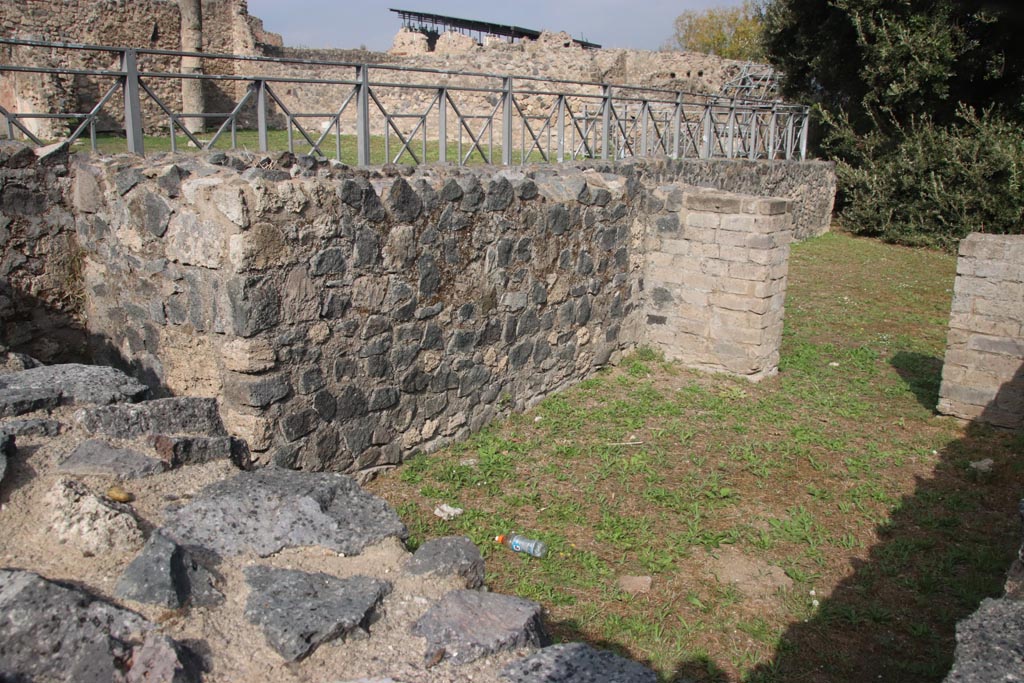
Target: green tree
x=920, y=102
x=730, y=32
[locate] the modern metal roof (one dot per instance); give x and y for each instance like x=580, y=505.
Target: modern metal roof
x=440, y=23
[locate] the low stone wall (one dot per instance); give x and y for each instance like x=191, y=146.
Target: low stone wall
x=350, y=318
x=715, y=279
x=809, y=185
x=983, y=374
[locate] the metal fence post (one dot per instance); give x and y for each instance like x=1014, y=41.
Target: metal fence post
x=442, y=125
x=261, y=115
x=705, y=152
x=754, y=123
x=363, y=115
x=803, y=133
x=561, y=128
x=645, y=120
x=606, y=120
x=506, y=124
x=132, y=103
x=677, y=126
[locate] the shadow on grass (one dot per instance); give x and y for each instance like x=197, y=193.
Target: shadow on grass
x=697, y=669
x=923, y=375
x=944, y=548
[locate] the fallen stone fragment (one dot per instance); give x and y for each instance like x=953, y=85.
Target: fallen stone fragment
x=270, y=509
x=166, y=574
x=161, y=660
x=452, y=555
x=634, y=585
x=52, y=632
x=181, y=415
x=75, y=384
x=447, y=512
x=298, y=610
x=576, y=663
x=192, y=450
x=990, y=644
x=470, y=624
x=31, y=427
x=91, y=524
x=95, y=457
x=18, y=401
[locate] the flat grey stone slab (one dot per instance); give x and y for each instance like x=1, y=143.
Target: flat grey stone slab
x=180, y=415
x=468, y=625
x=76, y=384
x=52, y=632
x=576, y=663
x=990, y=644
x=95, y=457
x=264, y=511
x=31, y=427
x=298, y=611
x=166, y=574
x=451, y=555
x=18, y=401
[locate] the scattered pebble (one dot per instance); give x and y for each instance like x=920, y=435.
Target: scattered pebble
x=447, y=512
x=119, y=494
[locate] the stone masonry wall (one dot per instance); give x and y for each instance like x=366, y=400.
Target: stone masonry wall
x=983, y=374
x=715, y=279
x=350, y=318
x=40, y=263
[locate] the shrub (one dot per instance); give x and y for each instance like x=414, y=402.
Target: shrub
x=931, y=185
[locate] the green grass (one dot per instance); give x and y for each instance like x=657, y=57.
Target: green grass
x=381, y=150
x=836, y=472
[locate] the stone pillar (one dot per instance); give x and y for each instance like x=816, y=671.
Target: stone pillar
x=192, y=41
x=983, y=373
x=715, y=279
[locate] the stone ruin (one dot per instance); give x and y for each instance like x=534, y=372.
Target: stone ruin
x=302, y=315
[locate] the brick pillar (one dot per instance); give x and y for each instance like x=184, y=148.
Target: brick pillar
x=983, y=373
x=715, y=280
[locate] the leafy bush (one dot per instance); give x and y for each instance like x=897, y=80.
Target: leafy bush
x=931, y=185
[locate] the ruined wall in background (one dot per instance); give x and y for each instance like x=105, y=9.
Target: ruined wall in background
x=350, y=318
x=153, y=24
x=983, y=373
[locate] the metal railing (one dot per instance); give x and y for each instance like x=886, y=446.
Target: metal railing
x=415, y=114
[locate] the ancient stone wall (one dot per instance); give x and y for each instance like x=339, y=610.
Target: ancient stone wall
x=40, y=263
x=983, y=374
x=349, y=319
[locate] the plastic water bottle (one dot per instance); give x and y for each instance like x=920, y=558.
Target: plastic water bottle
x=522, y=544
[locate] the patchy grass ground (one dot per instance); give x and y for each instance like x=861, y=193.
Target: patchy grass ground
x=844, y=507
x=381, y=151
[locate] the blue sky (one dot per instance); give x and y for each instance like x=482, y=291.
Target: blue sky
x=640, y=24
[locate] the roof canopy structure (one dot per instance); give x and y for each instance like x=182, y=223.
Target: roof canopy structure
x=434, y=25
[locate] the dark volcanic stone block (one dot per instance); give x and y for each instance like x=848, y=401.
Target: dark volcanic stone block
x=267, y=510
x=469, y=625
x=298, y=610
